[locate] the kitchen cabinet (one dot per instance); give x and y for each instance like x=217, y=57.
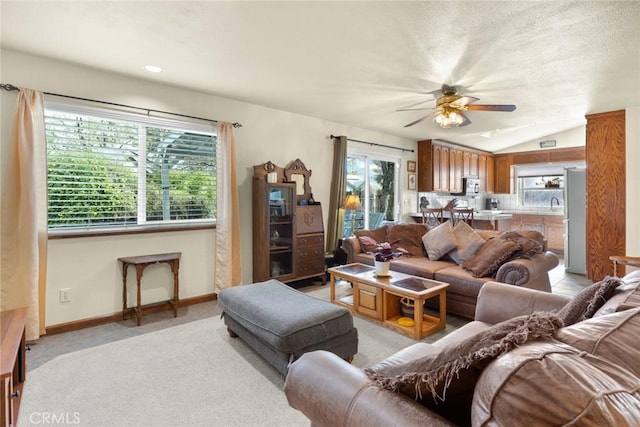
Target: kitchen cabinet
x=503, y=164
x=503, y=175
x=456, y=159
x=550, y=226
x=486, y=172
x=554, y=232
x=441, y=167
x=470, y=164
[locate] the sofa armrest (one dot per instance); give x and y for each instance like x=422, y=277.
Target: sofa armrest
x=351, y=246
x=521, y=271
x=498, y=302
x=331, y=392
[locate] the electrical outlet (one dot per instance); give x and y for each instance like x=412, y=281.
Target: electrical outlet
x=65, y=295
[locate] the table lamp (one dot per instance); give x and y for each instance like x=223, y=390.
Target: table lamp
x=352, y=202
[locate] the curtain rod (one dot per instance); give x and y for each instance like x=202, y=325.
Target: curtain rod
x=376, y=144
x=10, y=87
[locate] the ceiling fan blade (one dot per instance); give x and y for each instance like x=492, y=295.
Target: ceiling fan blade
x=415, y=109
x=419, y=120
x=465, y=122
x=491, y=107
x=463, y=100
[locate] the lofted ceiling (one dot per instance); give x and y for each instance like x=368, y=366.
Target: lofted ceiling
x=358, y=62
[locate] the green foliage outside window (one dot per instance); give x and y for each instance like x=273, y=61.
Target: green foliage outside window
x=101, y=170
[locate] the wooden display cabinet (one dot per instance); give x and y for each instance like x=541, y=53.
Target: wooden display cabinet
x=288, y=232
x=274, y=231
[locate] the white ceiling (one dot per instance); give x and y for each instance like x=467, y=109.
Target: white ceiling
x=358, y=62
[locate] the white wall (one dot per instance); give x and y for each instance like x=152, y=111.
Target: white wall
x=88, y=265
x=569, y=138
x=632, y=121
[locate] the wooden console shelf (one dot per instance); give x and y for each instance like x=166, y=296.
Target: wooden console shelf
x=12, y=364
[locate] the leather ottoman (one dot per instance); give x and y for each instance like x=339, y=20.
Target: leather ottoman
x=281, y=323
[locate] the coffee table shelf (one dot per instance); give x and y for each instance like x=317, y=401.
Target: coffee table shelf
x=378, y=298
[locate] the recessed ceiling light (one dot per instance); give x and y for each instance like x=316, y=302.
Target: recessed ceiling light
x=153, y=69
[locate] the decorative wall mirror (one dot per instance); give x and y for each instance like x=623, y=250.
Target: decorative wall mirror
x=297, y=172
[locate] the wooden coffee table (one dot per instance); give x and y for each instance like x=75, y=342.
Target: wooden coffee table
x=378, y=298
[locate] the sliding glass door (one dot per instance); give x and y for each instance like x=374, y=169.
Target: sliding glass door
x=373, y=179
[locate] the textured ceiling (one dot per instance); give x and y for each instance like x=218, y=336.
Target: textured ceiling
x=358, y=62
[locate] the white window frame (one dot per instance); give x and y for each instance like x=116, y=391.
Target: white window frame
x=142, y=224
x=369, y=156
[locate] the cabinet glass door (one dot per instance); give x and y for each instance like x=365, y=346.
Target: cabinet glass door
x=282, y=201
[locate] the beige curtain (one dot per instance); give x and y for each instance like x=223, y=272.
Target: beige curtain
x=335, y=226
x=228, y=265
x=23, y=217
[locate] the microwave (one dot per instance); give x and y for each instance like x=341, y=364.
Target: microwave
x=470, y=187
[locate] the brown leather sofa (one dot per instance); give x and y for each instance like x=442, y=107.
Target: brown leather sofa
x=463, y=287
x=587, y=374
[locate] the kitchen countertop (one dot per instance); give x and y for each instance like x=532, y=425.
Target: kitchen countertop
x=491, y=216
x=555, y=211
x=484, y=215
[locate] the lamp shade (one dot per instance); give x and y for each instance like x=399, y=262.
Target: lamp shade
x=352, y=202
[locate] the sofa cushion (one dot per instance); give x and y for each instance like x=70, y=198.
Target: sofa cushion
x=439, y=241
x=378, y=235
x=419, y=266
x=444, y=381
x=585, y=303
x=552, y=383
x=612, y=337
x=407, y=237
x=490, y=257
x=468, y=241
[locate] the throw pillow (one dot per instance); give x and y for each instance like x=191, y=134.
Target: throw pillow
x=451, y=374
x=586, y=302
x=469, y=242
x=530, y=246
x=378, y=235
x=407, y=237
x=490, y=257
x=533, y=235
x=439, y=241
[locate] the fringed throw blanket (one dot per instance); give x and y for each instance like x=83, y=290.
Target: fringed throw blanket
x=433, y=373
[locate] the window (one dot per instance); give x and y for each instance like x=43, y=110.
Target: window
x=118, y=170
x=540, y=191
x=374, y=179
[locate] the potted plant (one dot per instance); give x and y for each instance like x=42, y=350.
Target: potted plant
x=384, y=253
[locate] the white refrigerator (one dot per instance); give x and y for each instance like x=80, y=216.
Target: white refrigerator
x=575, y=220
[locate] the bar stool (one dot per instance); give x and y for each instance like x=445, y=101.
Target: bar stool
x=432, y=216
x=465, y=215
x=624, y=260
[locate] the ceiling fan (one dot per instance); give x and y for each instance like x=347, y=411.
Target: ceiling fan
x=450, y=107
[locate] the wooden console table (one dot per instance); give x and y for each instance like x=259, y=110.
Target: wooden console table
x=13, y=370
x=141, y=262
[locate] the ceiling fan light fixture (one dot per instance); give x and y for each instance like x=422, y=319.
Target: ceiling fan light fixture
x=448, y=119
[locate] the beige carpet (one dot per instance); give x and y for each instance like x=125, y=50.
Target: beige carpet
x=191, y=374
